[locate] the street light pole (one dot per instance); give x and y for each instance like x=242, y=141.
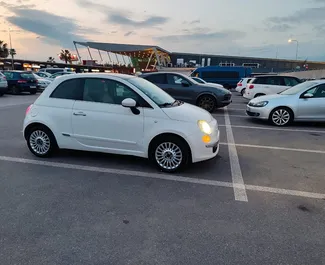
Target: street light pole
x=11, y=51
x=297, y=47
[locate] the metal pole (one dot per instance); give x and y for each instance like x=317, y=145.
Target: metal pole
x=149, y=60
x=89, y=53
x=12, y=56
x=297, y=50
x=75, y=45
x=109, y=57
x=101, y=58
x=118, y=62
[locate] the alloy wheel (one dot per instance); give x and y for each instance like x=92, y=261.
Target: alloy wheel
x=281, y=117
x=40, y=142
x=207, y=103
x=168, y=155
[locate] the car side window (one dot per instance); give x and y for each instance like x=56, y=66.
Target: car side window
x=289, y=81
x=157, y=78
x=275, y=81
x=69, y=89
x=9, y=75
x=318, y=91
x=176, y=79
x=109, y=91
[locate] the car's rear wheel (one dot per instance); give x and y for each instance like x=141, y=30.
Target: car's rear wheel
x=242, y=92
x=259, y=95
x=33, y=92
x=281, y=116
x=1, y=94
x=41, y=141
x=170, y=153
x=15, y=90
x=207, y=102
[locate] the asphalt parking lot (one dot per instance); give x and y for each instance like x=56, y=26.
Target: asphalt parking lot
x=261, y=201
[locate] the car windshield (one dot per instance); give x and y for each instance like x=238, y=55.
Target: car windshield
x=298, y=88
x=156, y=94
x=27, y=75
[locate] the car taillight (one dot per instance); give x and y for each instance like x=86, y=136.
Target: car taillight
x=22, y=81
x=239, y=84
x=251, y=86
x=28, y=109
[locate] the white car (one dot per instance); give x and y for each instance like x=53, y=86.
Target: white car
x=241, y=85
x=201, y=81
x=42, y=82
x=119, y=114
x=3, y=84
x=269, y=85
x=303, y=102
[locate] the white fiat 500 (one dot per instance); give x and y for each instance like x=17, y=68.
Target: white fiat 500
x=119, y=114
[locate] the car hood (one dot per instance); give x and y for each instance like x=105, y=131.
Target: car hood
x=268, y=98
x=187, y=112
x=215, y=85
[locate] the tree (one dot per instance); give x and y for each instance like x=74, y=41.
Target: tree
x=12, y=52
x=65, y=55
x=50, y=60
x=4, y=51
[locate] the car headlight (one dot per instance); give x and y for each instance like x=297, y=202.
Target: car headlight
x=204, y=127
x=259, y=104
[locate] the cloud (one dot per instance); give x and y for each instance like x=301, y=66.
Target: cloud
x=19, y=4
x=123, y=17
x=129, y=33
x=55, y=29
x=200, y=36
x=279, y=27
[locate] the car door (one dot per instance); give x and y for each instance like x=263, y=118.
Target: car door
x=159, y=80
x=312, y=108
x=100, y=122
x=180, y=88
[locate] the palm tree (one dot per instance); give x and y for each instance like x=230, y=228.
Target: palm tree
x=50, y=60
x=4, y=51
x=65, y=55
x=12, y=52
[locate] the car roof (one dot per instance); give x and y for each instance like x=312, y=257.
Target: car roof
x=98, y=75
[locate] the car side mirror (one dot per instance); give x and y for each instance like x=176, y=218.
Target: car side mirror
x=131, y=103
x=308, y=95
x=185, y=83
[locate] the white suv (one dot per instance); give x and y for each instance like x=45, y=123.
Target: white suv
x=3, y=84
x=120, y=114
x=268, y=85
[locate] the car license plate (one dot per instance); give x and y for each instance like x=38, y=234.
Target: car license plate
x=32, y=86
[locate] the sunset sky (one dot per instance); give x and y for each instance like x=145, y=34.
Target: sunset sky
x=40, y=28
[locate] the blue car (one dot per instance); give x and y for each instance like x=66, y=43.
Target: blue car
x=228, y=76
x=21, y=81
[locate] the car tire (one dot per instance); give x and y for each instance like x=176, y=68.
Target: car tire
x=281, y=116
x=242, y=92
x=259, y=95
x=1, y=94
x=207, y=102
x=15, y=90
x=170, y=154
x=41, y=141
x=33, y=92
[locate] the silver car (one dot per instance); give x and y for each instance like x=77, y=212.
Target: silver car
x=303, y=102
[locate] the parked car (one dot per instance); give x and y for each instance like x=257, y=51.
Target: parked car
x=303, y=102
x=201, y=81
x=42, y=82
x=120, y=114
x=60, y=74
x=44, y=75
x=21, y=81
x=3, y=84
x=228, y=76
x=241, y=86
x=182, y=87
x=268, y=85
x=54, y=70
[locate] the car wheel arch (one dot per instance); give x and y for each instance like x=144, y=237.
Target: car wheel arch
x=204, y=94
x=36, y=124
x=283, y=107
x=164, y=135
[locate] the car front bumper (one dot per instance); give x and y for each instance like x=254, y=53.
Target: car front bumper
x=258, y=112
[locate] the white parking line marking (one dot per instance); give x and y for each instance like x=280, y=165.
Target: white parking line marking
x=235, y=109
x=272, y=128
x=230, y=115
x=276, y=148
x=237, y=177
x=176, y=178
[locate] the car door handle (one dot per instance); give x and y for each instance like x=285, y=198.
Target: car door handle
x=79, y=114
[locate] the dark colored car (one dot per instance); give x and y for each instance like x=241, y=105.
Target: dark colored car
x=184, y=88
x=21, y=81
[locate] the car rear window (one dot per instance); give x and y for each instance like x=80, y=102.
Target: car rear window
x=27, y=76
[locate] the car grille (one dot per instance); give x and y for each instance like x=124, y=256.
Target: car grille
x=227, y=97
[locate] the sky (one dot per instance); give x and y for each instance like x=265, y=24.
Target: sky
x=255, y=28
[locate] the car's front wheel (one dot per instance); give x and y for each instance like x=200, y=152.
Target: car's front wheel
x=170, y=153
x=281, y=116
x=207, y=102
x=41, y=141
